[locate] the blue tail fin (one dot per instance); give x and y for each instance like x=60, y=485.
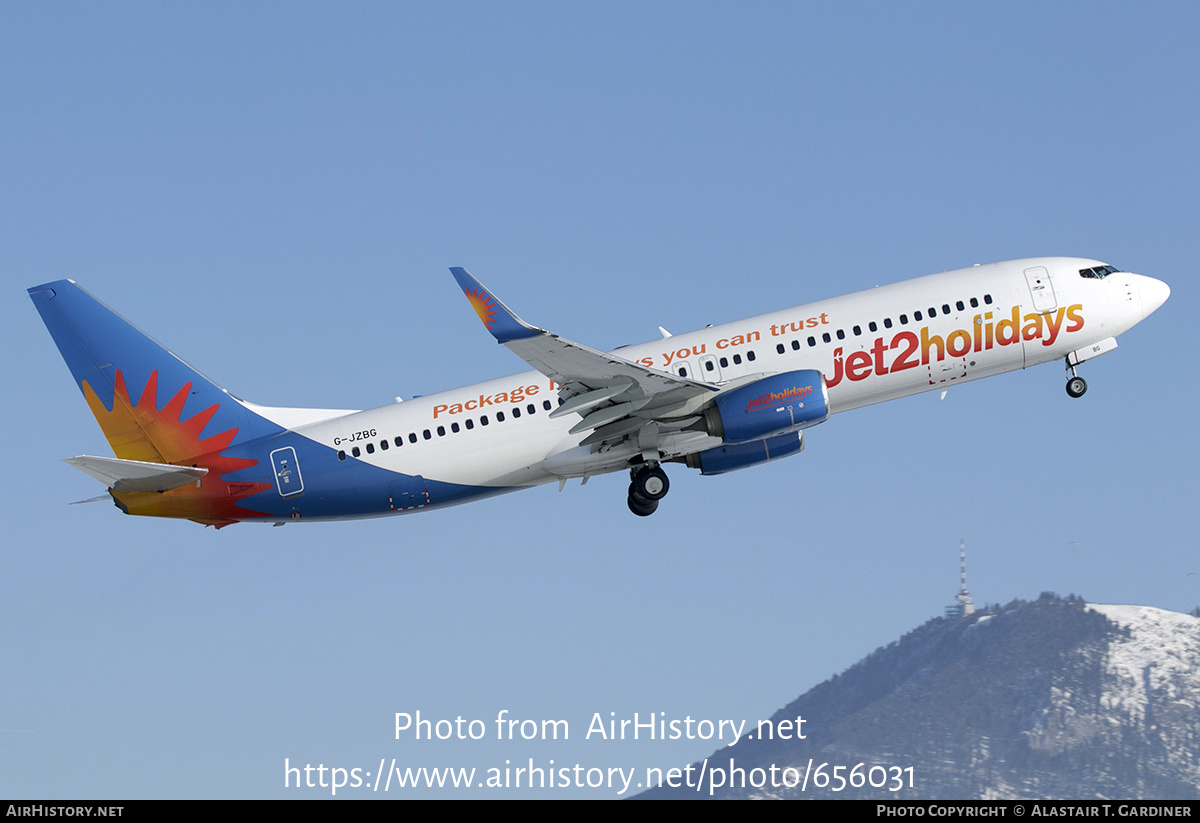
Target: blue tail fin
x=151, y=405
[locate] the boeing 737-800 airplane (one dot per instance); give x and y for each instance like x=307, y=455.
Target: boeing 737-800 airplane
x=719, y=399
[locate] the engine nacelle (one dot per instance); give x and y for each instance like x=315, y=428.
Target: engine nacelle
x=774, y=405
x=743, y=455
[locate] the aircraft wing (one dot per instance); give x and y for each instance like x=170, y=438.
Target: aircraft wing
x=614, y=397
x=136, y=475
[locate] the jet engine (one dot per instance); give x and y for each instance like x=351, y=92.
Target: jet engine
x=743, y=455
x=775, y=405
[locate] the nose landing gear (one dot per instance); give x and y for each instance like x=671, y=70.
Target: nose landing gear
x=1076, y=385
x=648, y=485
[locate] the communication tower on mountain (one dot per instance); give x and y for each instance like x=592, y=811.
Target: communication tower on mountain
x=963, y=606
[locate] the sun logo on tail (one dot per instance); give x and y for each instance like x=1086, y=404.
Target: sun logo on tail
x=483, y=304
x=142, y=431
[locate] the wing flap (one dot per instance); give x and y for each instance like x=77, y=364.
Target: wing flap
x=587, y=401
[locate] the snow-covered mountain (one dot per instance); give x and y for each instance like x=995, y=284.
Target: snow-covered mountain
x=1053, y=699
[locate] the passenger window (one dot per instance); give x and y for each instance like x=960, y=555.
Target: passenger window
x=826, y=337
x=857, y=330
x=887, y=322
x=531, y=408
x=917, y=316
x=546, y=405
x=682, y=371
x=399, y=441
x=796, y=345
x=724, y=363
x=427, y=435
x=516, y=412
x=470, y=423
x=904, y=320
x=779, y=348
x=441, y=431
x=873, y=326
x=383, y=444
x=974, y=302
x=454, y=427
x=499, y=417
x=841, y=335
x=737, y=360
x=749, y=355
x=370, y=448
x=932, y=312
x=483, y=421
x=708, y=365
x=987, y=298
x=341, y=455
x=355, y=451
x=960, y=305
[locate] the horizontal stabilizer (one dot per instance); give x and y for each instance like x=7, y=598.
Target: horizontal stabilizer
x=136, y=475
x=102, y=498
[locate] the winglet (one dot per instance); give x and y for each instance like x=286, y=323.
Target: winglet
x=497, y=317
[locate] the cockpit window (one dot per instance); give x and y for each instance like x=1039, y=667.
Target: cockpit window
x=1098, y=272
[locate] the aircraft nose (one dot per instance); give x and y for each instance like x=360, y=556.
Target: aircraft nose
x=1153, y=293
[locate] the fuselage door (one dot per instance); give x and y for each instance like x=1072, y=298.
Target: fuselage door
x=287, y=471
x=710, y=370
x=1041, y=289
x=408, y=492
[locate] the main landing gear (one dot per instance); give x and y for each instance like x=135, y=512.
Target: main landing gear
x=1076, y=385
x=648, y=484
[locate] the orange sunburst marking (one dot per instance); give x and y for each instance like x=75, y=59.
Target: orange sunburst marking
x=481, y=301
x=142, y=431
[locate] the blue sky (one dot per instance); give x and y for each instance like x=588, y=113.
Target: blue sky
x=276, y=191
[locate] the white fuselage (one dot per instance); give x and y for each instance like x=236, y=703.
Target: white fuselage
x=875, y=345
